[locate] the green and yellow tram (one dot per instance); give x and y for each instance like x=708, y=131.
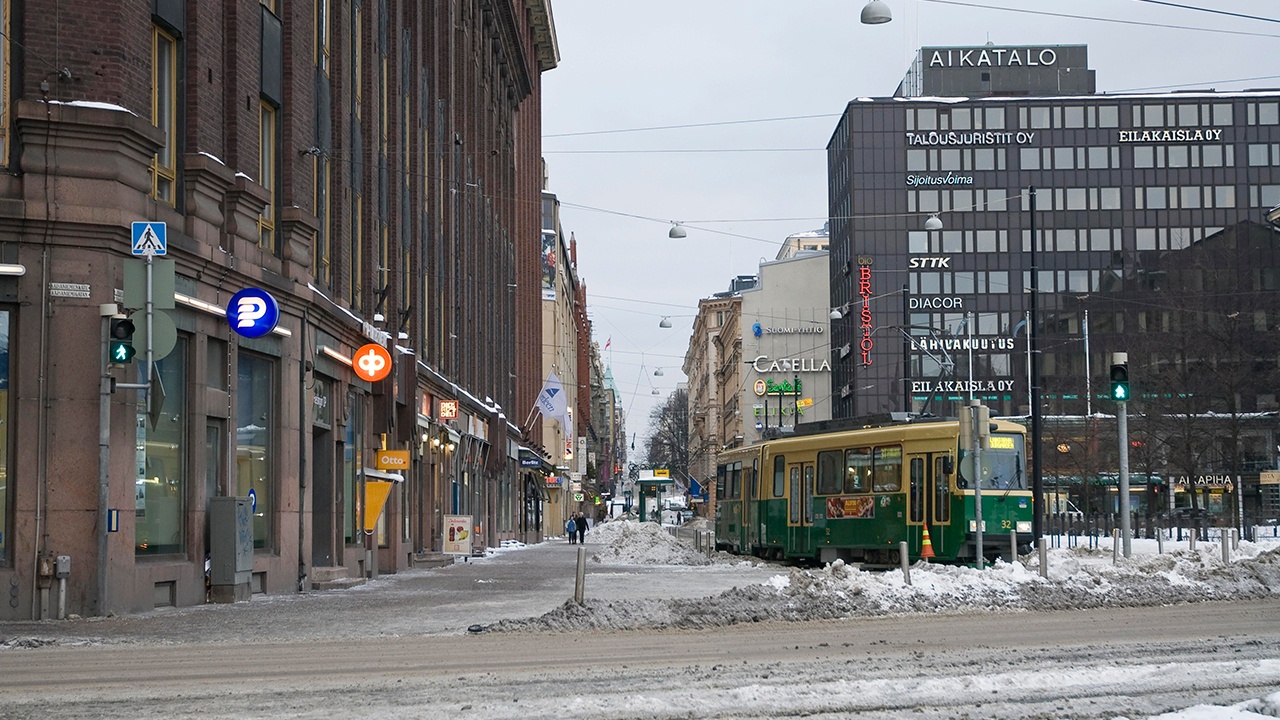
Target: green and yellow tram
x=857, y=493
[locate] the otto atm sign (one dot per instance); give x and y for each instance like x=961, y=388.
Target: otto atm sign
x=372, y=362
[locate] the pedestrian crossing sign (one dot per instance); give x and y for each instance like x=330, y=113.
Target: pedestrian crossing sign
x=150, y=238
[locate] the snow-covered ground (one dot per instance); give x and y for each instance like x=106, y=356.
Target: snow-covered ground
x=1077, y=577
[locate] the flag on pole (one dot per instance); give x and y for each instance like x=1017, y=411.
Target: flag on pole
x=608, y=342
x=552, y=401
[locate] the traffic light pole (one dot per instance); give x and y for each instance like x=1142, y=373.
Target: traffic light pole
x=104, y=456
x=1122, y=429
x=107, y=388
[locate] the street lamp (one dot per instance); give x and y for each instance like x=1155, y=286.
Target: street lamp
x=876, y=12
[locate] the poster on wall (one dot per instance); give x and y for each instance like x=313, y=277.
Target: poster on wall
x=457, y=535
x=548, y=265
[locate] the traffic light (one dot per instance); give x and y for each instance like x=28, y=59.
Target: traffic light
x=120, y=348
x=1120, y=382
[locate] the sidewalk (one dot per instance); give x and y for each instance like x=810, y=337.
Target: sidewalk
x=510, y=584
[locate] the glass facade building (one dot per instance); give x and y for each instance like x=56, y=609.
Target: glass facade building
x=1148, y=223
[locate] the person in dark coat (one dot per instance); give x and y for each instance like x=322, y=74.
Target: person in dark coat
x=582, y=528
x=571, y=529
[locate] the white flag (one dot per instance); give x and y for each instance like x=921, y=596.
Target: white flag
x=552, y=401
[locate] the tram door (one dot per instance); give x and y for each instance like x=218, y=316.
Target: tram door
x=929, y=499
x=800, y=507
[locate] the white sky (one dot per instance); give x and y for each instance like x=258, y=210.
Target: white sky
x=681, y=62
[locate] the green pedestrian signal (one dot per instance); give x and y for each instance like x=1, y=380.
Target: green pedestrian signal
x=120, y=350
x=1120, y=382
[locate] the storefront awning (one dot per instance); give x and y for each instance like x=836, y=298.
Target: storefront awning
x=382, y=475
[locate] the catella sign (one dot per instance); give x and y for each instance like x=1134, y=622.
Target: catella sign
x=762, y=364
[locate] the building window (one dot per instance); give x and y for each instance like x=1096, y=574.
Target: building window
x=160, y=488
x=255, y=428
x=164, y=114
x=1263, y=113
x=268, y=150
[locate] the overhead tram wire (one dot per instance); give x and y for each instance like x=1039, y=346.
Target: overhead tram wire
x=1118, y=21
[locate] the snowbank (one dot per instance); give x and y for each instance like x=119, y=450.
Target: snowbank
x=1078, y=578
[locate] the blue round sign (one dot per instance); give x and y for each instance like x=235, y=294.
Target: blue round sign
x=252, y=312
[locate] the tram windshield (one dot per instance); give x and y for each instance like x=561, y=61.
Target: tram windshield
x=1003, y=465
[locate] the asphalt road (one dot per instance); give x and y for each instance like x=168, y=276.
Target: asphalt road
x=398, y=648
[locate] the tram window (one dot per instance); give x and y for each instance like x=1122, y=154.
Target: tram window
x=887, y=469
x=753, y=485
x=942, y=492
x=735, y=480
x=917, y=490
x=722, y=473
x=779, y=477
x=808, y=493
x=794, y=504
x=829, y=473
x=857, y=470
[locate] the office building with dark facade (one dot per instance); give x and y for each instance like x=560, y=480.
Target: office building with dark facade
x=1150, y=229
x=373, y=165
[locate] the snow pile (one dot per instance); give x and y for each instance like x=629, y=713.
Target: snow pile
x=637, y=543
x=1078, y=578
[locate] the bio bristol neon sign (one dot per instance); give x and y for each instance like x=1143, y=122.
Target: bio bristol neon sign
x=864, y=290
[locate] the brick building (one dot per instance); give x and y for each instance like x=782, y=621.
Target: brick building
x=374, y=166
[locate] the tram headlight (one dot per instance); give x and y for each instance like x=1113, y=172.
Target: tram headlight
x=1024, y=526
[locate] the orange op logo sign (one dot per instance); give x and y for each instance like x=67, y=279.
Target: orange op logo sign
x=372, y=362
x=448, y=409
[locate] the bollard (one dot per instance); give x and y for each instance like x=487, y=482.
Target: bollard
x=1191, y=540
x=906, y=567
x=578, y=588
x=1044, y=558
x=1235, y=539
x=1115, y=546
x=1013, y=546
x=1226, y=548
x=1159, y=542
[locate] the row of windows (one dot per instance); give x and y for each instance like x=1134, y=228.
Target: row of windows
x=1183, y=156
x=948, y=159
x=997, y=241
x=955, y=118
x=1069, y=116
x=1069, y=158
x=1089, y=158
x=934, y=201
x=1191, y=197
x=960, y=282
x=1044, y=117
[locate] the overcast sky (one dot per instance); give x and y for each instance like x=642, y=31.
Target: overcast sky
x=796, y=63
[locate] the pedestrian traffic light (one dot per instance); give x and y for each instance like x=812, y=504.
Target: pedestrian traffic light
x=120, y=348
x=1120, y=382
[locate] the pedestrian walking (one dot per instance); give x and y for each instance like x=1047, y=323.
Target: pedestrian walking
x=571, y=528
x=582, y=528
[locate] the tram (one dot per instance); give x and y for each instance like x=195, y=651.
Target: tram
x=856, y=492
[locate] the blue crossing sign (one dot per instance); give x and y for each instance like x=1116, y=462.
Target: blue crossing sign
x=150, y=238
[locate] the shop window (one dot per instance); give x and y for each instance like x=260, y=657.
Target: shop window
x=255, y=429
x=160, y=487
x=6, y=496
